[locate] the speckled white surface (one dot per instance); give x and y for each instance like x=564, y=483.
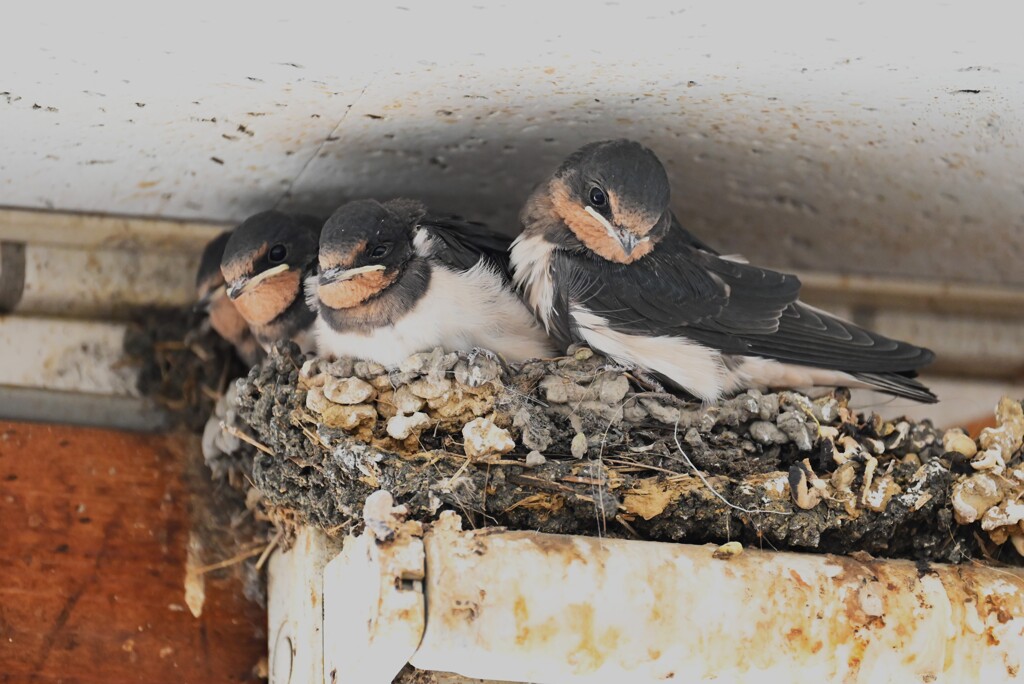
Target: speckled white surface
x=803, y=134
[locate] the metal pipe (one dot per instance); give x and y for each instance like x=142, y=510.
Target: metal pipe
x=541, y=608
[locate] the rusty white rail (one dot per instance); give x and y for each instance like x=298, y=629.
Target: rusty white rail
x=553, y=609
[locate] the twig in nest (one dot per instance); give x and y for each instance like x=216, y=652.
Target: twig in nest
x=235, y=432
x=270, y=547
x=234, y=560
x=636, y=465
x=210, y=394
x=458, y=473
x=629, y=528
x=201, y=353
x=686, y=459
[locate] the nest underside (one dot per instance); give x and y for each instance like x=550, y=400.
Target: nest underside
x=577, y=445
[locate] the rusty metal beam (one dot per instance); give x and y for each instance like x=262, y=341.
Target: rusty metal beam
x=531, y=607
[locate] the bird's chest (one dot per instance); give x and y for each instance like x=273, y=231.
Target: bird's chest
x=433, y=322
x=532, y=261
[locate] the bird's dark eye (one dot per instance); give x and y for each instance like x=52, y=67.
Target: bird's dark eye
x=597, y=197
x=380, y=251
x=277, y=254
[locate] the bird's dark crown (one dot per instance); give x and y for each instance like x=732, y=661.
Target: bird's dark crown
x=630, y=175
x=256, y=244
x=367, y=232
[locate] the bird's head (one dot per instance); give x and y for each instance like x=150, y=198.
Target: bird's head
x=263, y=264
x=363, y=249
x=614, y=197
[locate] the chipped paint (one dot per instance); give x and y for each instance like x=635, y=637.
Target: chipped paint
x=550, y=608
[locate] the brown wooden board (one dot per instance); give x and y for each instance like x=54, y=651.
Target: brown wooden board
x=94, y=527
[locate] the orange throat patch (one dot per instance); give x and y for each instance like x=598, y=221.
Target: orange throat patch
x=225, y=319
x=269, y=298
x=589, y=230
x=348, y=294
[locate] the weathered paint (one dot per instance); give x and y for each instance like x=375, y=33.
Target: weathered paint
x=525, y=606
x=56, y=354
x=843, y=139
x=295, y=608
x=82, y=282
x=373, y=609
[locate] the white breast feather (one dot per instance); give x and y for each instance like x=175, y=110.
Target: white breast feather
x=460, y=311
x=531, y=268
x=423, y=242
x=310, y=287
x=697, y=368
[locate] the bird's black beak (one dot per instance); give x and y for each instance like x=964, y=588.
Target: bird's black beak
x=237, y=287
x=628, y=240
x=331, y=275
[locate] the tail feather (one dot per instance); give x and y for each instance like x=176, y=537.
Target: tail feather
x=900, y=385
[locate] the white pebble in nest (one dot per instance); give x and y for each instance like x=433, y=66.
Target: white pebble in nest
x=481, y=437
x=426, y=388
x=535, y=458
x=348, y=391
x=316, y=401
x=958, y=441
x=579, y=445
x=402, y=427
x=406, y=402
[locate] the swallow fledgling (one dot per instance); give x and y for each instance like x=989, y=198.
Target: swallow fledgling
x=602, y=261
x=266, y=261
x=394, y=281
x=221, y=312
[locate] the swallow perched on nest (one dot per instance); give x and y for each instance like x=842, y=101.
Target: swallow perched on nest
x=221, y=312
x=265, y=262
x=394, y=281
x=602, y=261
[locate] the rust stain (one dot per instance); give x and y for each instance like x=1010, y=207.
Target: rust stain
x=592, y=649
x=798, y=579
x=1011, y=668
x=521, y=615
x=856, y=658
x=995, y=605
x=550, y=545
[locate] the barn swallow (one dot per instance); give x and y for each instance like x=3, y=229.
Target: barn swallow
x=213, y=299
x=602, y=261
x=265, y=262
x=394, y=281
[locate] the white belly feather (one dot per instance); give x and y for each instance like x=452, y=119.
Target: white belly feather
x=459, y=311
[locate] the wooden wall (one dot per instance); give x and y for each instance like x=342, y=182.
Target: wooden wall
x=94, y=527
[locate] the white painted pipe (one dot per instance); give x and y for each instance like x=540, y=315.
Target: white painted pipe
x=53, y=280
x=548, y=609
x=68, y=355
x=71, y=371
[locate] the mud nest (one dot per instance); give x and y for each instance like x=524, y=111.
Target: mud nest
x=576, y=445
